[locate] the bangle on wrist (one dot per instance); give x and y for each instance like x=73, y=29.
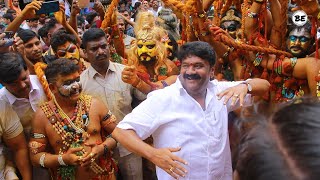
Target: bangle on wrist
x=60, y=160
x=252, y=14
x=41, y=160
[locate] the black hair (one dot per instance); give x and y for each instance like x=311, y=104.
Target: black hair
x=60, y=37
x=80, y=20
x=51, y=23
x=200, y=49
x=92, y=34
x=11, y=65
x=11, y=11
x=26, y=35
x=174, y=45
x=43, y=31
x=90, y=17
x=60, y=67
x=8, y=16
x=307, y=26
x=286, y=147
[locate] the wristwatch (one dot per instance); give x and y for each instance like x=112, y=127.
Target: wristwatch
x=248, y=85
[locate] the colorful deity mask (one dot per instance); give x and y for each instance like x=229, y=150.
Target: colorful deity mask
x=146, y=50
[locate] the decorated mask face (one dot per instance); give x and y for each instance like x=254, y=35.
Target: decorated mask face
x=299, y=42
x=69, y=51
x=146, y=50
x=231, y=27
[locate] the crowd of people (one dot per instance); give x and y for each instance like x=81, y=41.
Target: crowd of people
x=159, y=90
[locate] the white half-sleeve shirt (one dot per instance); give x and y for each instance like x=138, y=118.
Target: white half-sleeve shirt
x=175, y=119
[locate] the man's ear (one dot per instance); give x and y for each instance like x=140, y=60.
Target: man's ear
x=53, y=88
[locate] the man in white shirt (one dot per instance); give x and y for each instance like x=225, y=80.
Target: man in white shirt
x=23, y=92
x=189, y=119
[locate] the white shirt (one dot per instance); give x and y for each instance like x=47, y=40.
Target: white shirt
x=175, y=119
x=25, y=108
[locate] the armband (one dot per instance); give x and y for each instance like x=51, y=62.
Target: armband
x=41, y=160
x=60, y=160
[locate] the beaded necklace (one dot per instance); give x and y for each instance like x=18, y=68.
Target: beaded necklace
x=73, y=134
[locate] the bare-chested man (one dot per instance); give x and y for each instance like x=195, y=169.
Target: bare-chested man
x=69, y=132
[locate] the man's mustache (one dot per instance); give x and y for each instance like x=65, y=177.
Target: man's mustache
x=191, y=76
x=104, y=56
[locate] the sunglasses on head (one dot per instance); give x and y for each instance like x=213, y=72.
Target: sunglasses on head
x=71, y=49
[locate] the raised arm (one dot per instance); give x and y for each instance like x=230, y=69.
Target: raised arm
x=27, y=13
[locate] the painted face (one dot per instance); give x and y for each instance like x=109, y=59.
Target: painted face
x=230, y=27
x=70, y=86
x=299, y=42
x=69, y=51
x=20, y=87
x=194, y=74
x=146, y=50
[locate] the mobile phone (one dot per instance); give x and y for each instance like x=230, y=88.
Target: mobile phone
x=8, y=38
x=48, y=7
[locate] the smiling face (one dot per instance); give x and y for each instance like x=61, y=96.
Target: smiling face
x=146, y=50
x=195, y=74
x=299, y=42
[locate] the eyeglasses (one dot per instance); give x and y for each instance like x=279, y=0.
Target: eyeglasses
x=301, y=38
x=71, y=49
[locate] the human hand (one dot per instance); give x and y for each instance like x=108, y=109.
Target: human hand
x=71, y=158
x=75, y=9
x=18, y=45
x=166, y=160
x=237, y=93
x=218, y=33
x=129, y=75
x=60, y=15
x=90, y=156
x=98, y=7
x=29, y=11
